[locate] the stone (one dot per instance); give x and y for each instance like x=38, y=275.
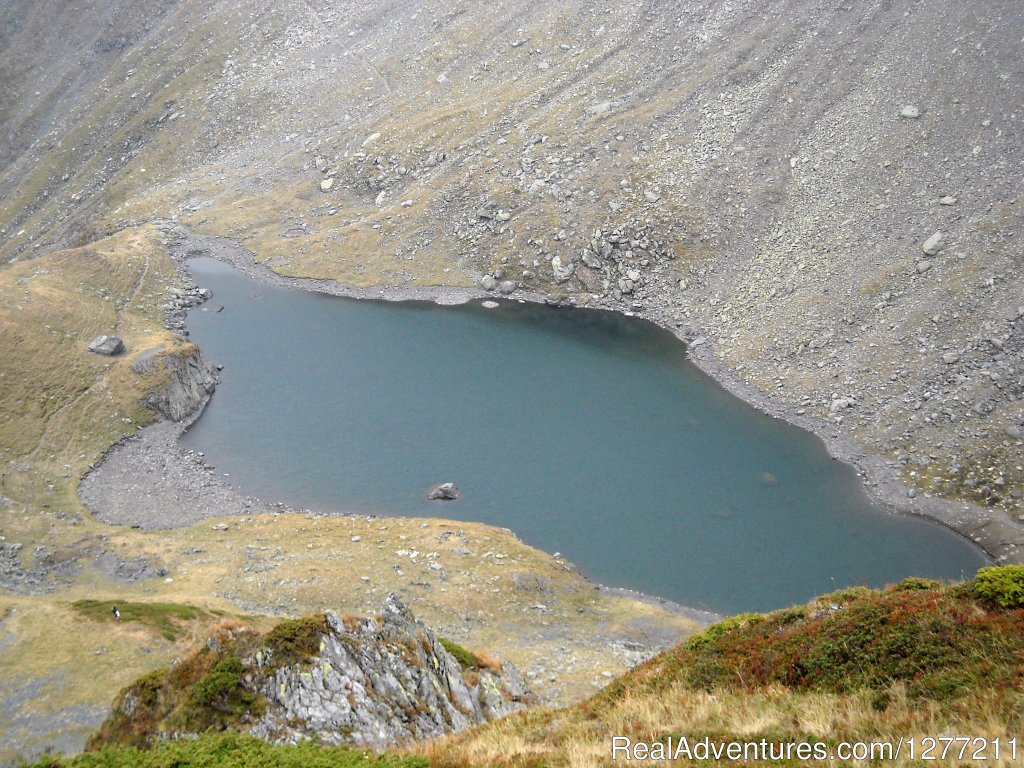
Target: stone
x=370, y=139
x=562, y=272
x=502, y=216
x=490, y=304
x=1014, y=432
x=326, y=185
x=590, y=260
x=951, y=357
x=841, y=404
x=923, y=266
x=651, y=197
x=600, y=108
x=488, y=283
x=537, y=187
x=506, y=287
x=107, y=345
x=947, y=200
x=910, y=112
x=444, y=492
x=933, y=244
x=321, y=164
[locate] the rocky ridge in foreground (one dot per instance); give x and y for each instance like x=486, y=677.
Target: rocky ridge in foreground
x=376, y=682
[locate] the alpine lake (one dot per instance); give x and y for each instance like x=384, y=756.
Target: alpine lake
x=585, y=432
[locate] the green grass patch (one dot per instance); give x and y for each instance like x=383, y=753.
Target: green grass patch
x=167, y=618
x=232, y=750
x=467, y=660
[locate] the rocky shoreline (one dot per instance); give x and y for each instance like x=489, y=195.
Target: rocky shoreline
x=181, y=488
x=996, y=535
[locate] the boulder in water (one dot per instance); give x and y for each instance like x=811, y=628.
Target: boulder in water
x=444, y=492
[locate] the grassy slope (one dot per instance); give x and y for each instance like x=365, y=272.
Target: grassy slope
x=917, y=659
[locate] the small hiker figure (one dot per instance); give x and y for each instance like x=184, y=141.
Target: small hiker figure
x=117, y=613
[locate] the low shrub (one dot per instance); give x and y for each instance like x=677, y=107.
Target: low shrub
x=232, y=750
x=1001, y=585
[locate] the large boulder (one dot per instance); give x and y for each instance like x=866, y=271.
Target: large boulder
x=107, y=345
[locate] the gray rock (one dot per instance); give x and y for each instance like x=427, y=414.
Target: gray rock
x=506, y=287
x=326, y=185
x=380, y=682
x=107, y=345
x=562, y=272
x=651, y=197
x=444, y=492
x=947, y=200
x=911, y=112
x=188, y=381
x=933, y=244
x=502, y=215
x=841, y=404
x=923, y=266
x=590, y=260
x=951, y=357
x=490, y=304
x=1014, y=433
x=601, y=108
x=488, y=283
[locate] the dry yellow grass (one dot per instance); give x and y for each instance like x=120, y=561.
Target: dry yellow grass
x=571, y=738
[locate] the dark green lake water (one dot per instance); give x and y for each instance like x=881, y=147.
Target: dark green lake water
x=585, y=432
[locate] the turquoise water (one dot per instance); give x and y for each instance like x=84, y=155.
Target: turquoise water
x=585, y=432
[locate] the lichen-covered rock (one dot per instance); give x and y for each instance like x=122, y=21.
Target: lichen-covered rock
x=374, y=682
x=382, y=681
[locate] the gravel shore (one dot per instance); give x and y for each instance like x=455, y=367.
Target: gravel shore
x=150, y=481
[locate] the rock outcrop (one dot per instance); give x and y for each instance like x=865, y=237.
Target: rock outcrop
x=188, y=379
x=373, y=682
x=382, y=681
